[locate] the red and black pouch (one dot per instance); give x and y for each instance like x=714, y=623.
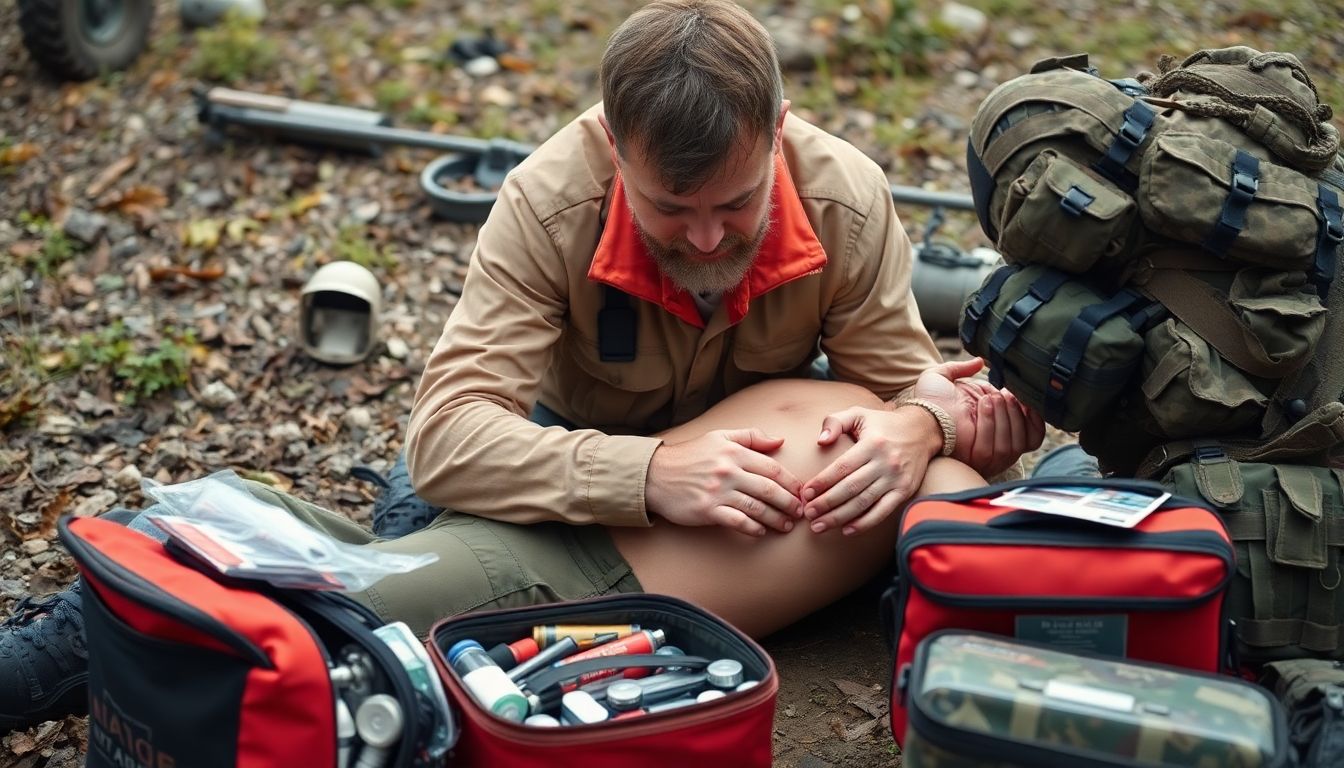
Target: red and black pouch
x=187, y=667
x=1153, y=592
x=730, y=732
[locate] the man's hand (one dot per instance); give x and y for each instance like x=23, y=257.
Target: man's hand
x=877, y=474
x=994, y=428
x=723, y=478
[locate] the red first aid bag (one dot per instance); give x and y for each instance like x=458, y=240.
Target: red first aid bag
x=1153, y=592
x=733, y=731
x=187, y=668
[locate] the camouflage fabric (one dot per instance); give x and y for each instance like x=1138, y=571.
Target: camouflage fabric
x=1212, y=188
x=1022, y=703
x=1287, y=523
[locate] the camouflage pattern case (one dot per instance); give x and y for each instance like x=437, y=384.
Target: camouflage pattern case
x=982, y=700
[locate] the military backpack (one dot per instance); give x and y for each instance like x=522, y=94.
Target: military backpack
x=1171, y=243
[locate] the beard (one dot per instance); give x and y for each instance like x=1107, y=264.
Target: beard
x=720, y=273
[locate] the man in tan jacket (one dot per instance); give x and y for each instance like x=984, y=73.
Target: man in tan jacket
x=619, y=401
x=674, y=245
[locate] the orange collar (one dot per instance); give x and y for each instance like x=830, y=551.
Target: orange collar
x=789, y=251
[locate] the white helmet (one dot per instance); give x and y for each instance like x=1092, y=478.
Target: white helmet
x=338, y=313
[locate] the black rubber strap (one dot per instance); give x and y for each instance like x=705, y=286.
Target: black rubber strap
x=1018, y=316
x=982, y=189
x=982, y=301
x=1074, y=347
x=1138, y=120
x=617, y=327
x=1232, y=220
x=1327, y=242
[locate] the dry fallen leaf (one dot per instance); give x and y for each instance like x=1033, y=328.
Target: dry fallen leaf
x=158, y=274
x=19, y=153
x=109, y=175
x=203, y=233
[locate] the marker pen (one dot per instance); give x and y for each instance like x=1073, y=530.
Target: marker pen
x=512, y=654
x=586, y=635
x=644, y=641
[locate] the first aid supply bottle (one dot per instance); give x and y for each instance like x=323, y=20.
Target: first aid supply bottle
x=486, y=681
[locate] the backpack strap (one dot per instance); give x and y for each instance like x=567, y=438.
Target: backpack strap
x=1137, y=122
x=1328, y=239
x=1198, y=305
x=1074, y=346
x=1306, y=442
x=982, y=301
x=1241, y=191
x=1038, y=293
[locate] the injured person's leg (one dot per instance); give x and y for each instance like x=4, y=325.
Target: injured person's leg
x=761, y=584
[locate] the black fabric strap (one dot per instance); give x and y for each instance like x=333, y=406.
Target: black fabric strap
x=1138, y=120
x=982, y=189
x=1018, y=316
x=617, y=327
x=983, y=299
x=1232, y=220
x=1327, y=242
x=1074, y=347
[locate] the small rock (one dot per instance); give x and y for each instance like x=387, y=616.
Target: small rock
x=58, y=424
x=339, y=465
x=84, y=226
x=358, y=418
x=217, y=394
x=285, y=432
x=263, y=327
x=135, y=128
x=12, y=588
x=970, y=22
x=127, y=478
x=125, y=249
x=367, y=212
x=98, y=502
x=851, y=13
x=441, y=245
x=397, y=348
x=108, y=282
x=35, y=546
x=1021, y=37
x=789, y=711
x=209, y=198
x=498, y=95
x=481, y=66
x=966, y=79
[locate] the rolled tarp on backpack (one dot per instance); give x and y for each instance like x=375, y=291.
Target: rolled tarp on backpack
x=1059, y=345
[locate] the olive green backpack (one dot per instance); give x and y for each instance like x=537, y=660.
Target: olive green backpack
x=1212, y=192
x=1170, y=244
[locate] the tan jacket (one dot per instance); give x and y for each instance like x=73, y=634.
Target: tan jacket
x=525, y=328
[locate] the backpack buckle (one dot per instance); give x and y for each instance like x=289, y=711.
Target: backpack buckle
x=1245, y=183
x=1060, y=376
x=1208, y=454
x=1075, y=201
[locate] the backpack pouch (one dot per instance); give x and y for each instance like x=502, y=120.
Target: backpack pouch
x=1281, y=310
x=1198, y=189
x=1063, y=215
x=1060, y=346
x=1287, y=522
x=1191, y=391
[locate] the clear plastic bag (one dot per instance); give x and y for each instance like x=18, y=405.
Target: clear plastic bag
x=238, y=534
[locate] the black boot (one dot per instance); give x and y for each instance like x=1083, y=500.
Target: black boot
x=397, y=511
x=44, y=663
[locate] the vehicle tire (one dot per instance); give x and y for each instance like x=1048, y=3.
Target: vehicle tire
x=79, y=39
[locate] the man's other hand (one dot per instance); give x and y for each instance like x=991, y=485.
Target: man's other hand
x=877, y=474
x=994, y=428
x=726, y=478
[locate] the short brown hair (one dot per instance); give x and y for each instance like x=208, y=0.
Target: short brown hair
x=683, y=81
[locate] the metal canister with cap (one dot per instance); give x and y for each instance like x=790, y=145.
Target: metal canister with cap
x=725, y=674
x=624, y=695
